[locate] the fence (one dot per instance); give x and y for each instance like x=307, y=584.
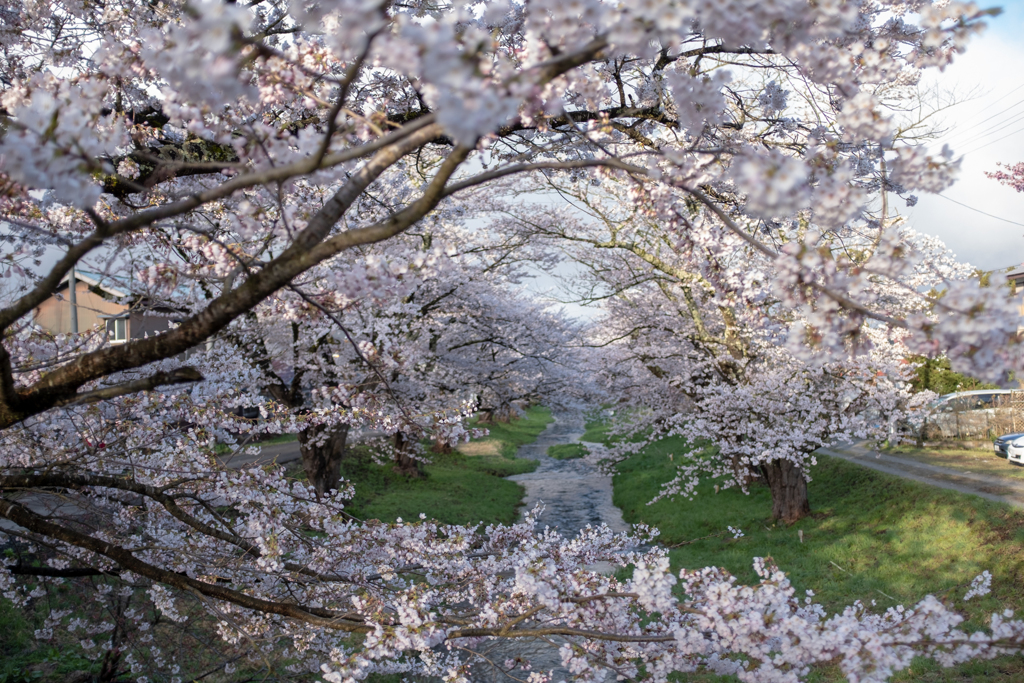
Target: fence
x=966, y=420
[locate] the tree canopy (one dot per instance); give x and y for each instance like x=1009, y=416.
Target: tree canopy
x=338, y=201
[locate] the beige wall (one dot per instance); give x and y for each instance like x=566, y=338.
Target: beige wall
x=54, y=315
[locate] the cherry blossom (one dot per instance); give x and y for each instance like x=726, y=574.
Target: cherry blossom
x=334, y=206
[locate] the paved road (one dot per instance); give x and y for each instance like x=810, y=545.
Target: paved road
x=280, y=453
x=1003, y=490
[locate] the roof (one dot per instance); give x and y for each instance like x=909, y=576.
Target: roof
x=114, y=285
x=97, y=280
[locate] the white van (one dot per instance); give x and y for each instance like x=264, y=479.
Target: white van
x=982, y=399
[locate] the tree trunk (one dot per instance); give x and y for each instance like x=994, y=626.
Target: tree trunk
x=442, y=447
x=789, y=491
x=322, y=447
x=505, y=413
x=410, y=467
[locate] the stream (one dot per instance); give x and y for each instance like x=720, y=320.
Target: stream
x=574, y=494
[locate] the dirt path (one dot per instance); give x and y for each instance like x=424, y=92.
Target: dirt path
x=1003, y=490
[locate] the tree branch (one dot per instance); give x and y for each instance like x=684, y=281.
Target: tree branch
x=179, y=376
x=317, y=616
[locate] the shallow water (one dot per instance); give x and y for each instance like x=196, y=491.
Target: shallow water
x=574, y=495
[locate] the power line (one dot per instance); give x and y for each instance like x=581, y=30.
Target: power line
x=1000, y=113
x=992, y=130
x=998, y=218
x=1000, y=99
x=953, y=136
x=987, y=144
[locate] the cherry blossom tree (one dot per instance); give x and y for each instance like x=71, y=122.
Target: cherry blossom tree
x=246, y=163
x=1013, y=176
x=697, y=343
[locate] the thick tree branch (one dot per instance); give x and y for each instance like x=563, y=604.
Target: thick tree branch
x=179, y=376
x=127, y=560
x=45, y=287
x=303, y=253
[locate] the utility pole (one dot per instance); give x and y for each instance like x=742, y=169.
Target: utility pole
x=73, y=298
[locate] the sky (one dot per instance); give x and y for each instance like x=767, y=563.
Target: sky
x=985, y=130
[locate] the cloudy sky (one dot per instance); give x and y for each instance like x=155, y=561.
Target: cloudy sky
x=985, y=130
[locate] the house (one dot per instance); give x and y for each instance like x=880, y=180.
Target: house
x=103, y=302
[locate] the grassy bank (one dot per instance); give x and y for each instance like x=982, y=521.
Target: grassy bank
x=457, y=488
x=597, y=427
x=509, y=436
x=872, y=537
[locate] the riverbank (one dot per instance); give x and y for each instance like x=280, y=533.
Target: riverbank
x=872, y=537
x=456, y=488
x=573, y=495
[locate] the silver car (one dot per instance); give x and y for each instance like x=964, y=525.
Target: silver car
x=1002, y=444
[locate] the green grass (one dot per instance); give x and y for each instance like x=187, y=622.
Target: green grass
x=280, y=438
x=457, y=489
x=597, y=429
x=518, y=432
x=871, y=537
x=567, y=451
x=193, y=643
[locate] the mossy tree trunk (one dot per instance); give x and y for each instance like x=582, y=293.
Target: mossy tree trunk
x=789, y=491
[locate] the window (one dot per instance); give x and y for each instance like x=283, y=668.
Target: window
x=117, y=330
x=976, y=401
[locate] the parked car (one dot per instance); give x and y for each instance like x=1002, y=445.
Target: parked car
x=982, y=399
x=1002, y=444
x=1015, y=451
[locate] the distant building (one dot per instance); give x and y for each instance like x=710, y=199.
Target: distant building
x=104, y=303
